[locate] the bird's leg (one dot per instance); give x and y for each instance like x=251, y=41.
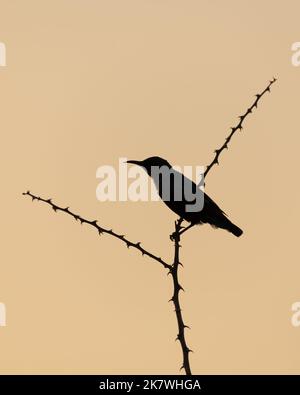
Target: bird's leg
x=185, y=229
x=178, y=227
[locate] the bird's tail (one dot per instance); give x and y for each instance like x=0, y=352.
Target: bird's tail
x=225, y=223
x=235, y=230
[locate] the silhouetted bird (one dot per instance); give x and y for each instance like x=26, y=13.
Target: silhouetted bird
x=173, y=193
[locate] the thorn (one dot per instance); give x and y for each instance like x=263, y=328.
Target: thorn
x=182, y=367
x=49, y=201
x=138, y=244
x=171, y=300
x=94, y=222
x=186, y=326
x=67, y=209
x=54, y=208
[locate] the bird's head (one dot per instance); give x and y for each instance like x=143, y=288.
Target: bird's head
x=153, y=161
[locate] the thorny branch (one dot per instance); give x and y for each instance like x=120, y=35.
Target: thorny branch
x=179, y=230
x=172, y=268
x=176, y=301
x=100, y=229
x=239, y=126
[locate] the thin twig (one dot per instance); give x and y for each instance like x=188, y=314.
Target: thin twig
x=100, y=229
x=175, y=299
x=239, y=126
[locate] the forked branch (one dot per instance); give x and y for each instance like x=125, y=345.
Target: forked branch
x=172, y=268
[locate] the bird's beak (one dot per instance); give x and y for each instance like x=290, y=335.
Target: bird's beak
x=135, y=162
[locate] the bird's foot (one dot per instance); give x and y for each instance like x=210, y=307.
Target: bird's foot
x=178, y=234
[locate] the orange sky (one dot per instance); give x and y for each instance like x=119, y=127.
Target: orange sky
x=88, y=82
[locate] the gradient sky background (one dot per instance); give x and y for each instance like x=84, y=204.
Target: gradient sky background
x=90, y=81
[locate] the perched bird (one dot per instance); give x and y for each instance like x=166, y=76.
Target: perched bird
x=174, y=196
